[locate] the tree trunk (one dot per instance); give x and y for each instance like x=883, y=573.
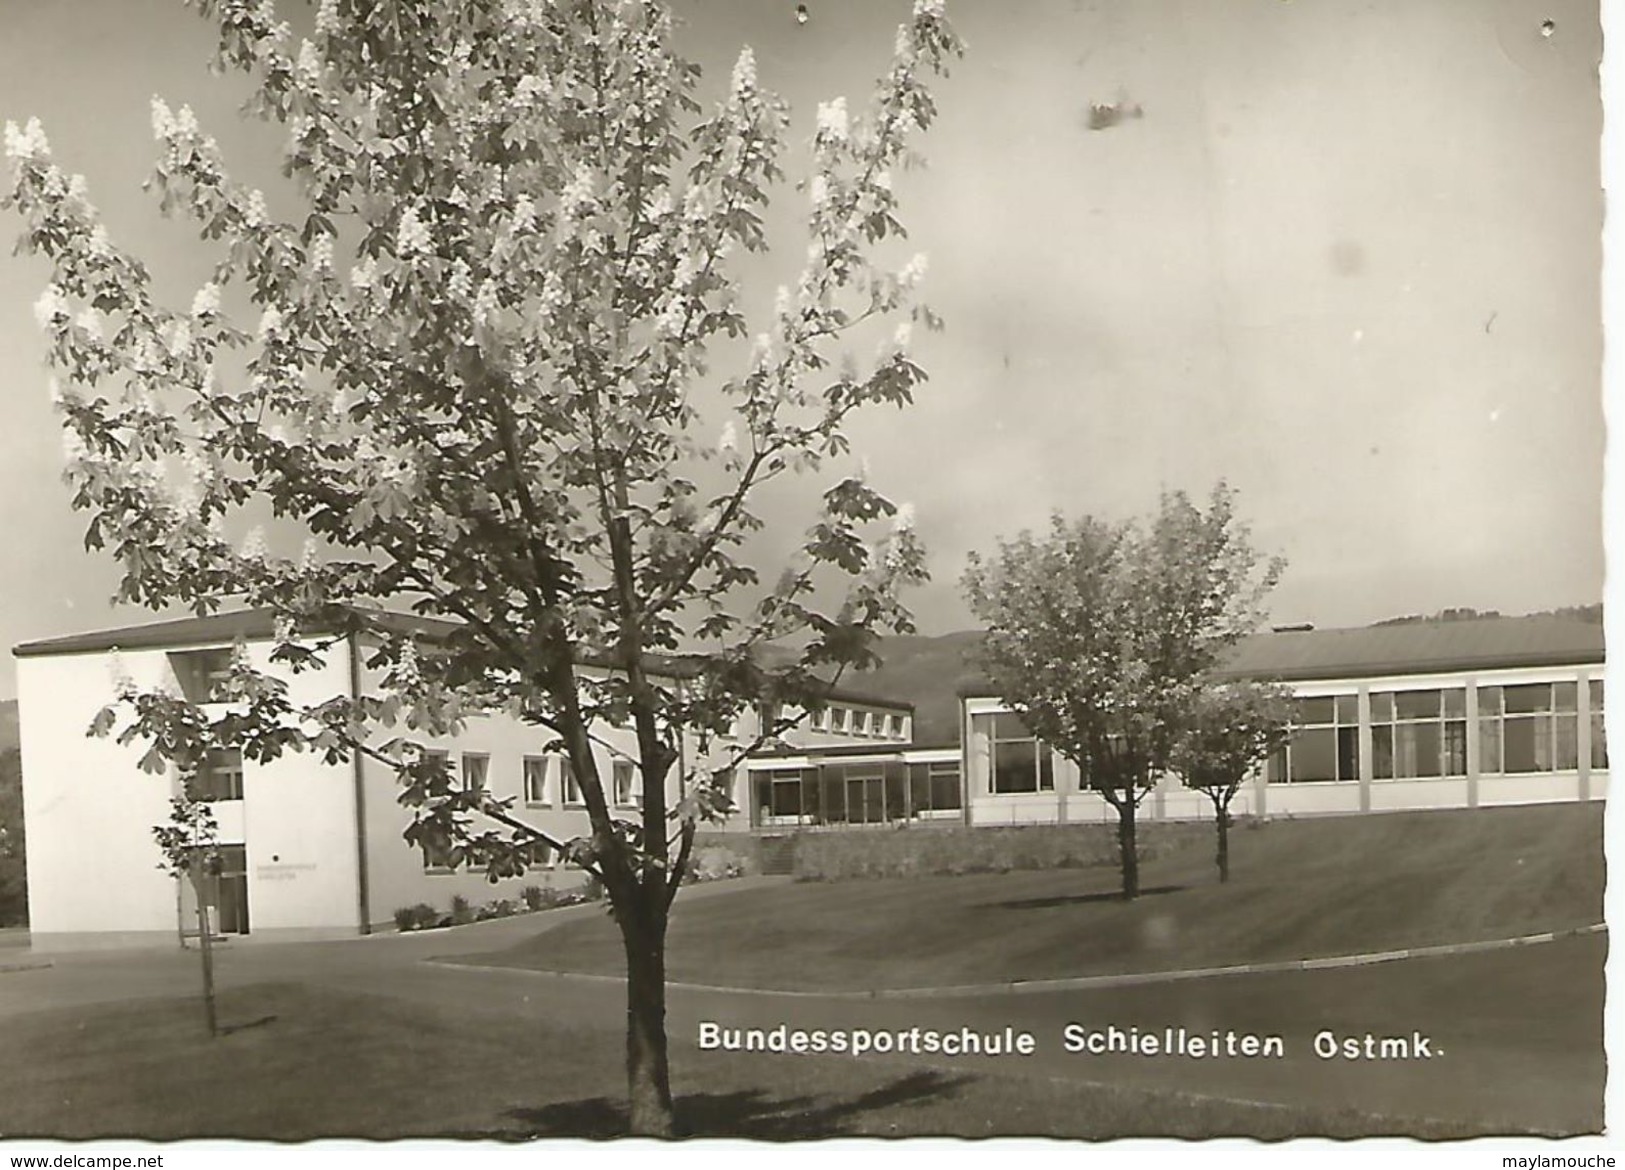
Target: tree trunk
x=1224, y=843
x=648, y=1079
x=206, y=950
x=1127, y=849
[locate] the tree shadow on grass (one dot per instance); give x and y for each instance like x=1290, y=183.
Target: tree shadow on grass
x=747, y=1113
x=1075, y=899
x=229, y=1029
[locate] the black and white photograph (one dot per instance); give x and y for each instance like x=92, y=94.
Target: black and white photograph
x=733, y=569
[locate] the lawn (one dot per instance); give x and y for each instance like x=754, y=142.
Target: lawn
x=1299, y=889
x=303, y=1062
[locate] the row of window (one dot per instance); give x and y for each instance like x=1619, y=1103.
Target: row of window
x=1529, y=728
x=842, y=720
x=546, y=780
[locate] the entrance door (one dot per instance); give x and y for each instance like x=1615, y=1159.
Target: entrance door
x=229, y=905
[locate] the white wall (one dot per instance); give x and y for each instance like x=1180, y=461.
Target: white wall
x=298, y=817
x=89, y=811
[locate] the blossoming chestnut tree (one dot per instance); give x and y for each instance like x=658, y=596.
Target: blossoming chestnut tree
x=496, y=369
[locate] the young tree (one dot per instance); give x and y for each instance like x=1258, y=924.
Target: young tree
x=481, y=379
x=190, y=844
x=1230, y=729
x=1100, y=635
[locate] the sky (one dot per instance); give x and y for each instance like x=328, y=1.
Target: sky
x=1347, y=258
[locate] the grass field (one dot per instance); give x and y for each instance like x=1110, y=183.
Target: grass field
x=1299, y=889
x=304, y=1063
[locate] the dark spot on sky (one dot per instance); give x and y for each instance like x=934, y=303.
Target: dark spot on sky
x=1348, y=258
x=1105, y=115
x=1548, y=27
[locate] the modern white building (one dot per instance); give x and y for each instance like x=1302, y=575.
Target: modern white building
x=1421, y=715
x=1415, y=715
x=310, y=849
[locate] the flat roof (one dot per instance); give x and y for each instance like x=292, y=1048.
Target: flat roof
x=1428, y=646
x=253, y=625
x=1419, y=647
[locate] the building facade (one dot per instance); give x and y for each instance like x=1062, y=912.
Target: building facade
x=1422, y=715
x=1414, y=715
x=309, y=849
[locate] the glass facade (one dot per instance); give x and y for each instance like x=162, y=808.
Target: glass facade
x=1419, y=734
x=858, y=792
x=1009, y=757
x=1422, y=734
x=1535, y=728
x=1325, y=746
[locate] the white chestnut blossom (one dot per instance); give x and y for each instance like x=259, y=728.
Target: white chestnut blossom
x=486, y=303
x=254, y=214
x=743, y=80
x=914, y=271
x=321, y=253
x=832, y=120
x=409, y=671
x=327, y=18
x=50, y=307
x=178, y=337
x=411, y=236
x=254, y=548
x=163, y=122
x=206, y=302
x=309, y=68
x=27, y=144
x=270, y=326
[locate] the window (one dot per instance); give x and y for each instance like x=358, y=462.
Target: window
x=535, y=780
x=441, y=762
x=841, y=719
x=1325, y=744
x=1529, y=728
x=1018, y=762
x=541, y=856
x=567, y=782
x=820, y=719
x=933, y=787
x=203, y=674
x=782, y=794
x=623, y=776
x=476, y=769
x=220, y=777
x=1419, y=734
